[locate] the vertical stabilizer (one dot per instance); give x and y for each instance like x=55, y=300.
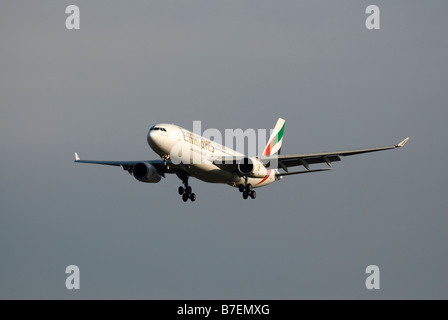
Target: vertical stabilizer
x=276, y=139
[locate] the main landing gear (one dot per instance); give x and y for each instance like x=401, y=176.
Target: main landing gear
x=247, y=191
x=186, y=192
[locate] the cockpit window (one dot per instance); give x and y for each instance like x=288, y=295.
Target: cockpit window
x=153, y=128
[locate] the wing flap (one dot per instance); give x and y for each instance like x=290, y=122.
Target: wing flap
x=292, y=162
x=300, y=172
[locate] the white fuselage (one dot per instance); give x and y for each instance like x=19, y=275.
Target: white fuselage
x=167, y=139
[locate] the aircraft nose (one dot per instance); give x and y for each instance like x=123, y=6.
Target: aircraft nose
x=152, y=137
x=154, y=140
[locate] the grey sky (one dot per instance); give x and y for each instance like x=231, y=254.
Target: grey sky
x=230, y=64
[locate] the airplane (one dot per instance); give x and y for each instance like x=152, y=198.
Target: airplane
x=219, y=164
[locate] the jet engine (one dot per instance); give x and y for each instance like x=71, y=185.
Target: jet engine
x=146, y=172
x=252, y=167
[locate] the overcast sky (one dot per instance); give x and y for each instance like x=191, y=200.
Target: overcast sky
x=230, y=64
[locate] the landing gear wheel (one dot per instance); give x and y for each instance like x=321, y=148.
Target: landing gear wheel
x=185, y=190
x=241, y=188
x=249, y=187
x=245, y=195
x=253, y=194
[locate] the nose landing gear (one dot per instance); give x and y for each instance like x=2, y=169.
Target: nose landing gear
x=165, y=158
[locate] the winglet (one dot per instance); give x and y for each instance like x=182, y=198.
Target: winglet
x=77, y=157
x=402, y=143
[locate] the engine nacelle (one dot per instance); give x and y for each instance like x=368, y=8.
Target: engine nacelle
x=252, y=167
x=146, y=172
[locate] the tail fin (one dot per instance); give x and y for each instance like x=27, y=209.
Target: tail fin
x=275, y=141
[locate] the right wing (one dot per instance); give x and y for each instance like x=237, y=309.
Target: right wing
x=127, y=165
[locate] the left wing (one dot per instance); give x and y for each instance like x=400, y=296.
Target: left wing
x=304, y=159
